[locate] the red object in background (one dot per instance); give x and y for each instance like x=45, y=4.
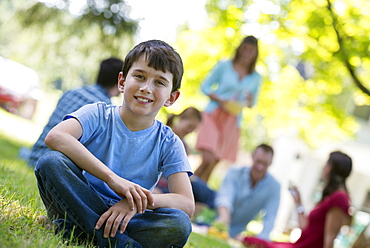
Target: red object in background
x=9, y=101
x=19, y=91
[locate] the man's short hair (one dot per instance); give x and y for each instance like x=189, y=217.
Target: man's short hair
x=265, y=148
x=160, y=56
x=108, y=72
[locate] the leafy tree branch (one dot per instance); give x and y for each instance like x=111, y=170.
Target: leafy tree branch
x=344, y=56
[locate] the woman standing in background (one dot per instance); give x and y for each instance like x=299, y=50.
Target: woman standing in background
x=231, y=86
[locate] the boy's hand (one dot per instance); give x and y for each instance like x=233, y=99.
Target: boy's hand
x=119, y=213
x=135, y=195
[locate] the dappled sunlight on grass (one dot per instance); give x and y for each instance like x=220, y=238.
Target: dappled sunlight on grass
x=10, y=207
x=20, y=204
x=197, y=240
x=18, y=194
x=18, y=128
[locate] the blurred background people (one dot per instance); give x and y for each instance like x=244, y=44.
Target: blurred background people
x=182, y=124
x=243, y=194
x=322, y=225
x=185, y=123
x=231, y=86
x=106, y=86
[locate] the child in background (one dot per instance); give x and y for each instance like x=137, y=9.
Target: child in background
x=96, y=184
x=183, y=124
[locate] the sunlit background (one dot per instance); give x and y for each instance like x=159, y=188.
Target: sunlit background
x=314, y=59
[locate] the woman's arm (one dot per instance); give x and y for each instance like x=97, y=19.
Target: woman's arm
x=249, y=100
x=215, y=98
x=302, y=218
x=334, y=220
x=211, y=79
x=180, y=194
x=64, y=138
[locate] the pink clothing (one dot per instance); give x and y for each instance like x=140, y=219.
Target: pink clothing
x=313, y=235
x=219, y=134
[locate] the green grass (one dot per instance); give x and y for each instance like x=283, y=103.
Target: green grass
x=200, y=241
x=20, y=204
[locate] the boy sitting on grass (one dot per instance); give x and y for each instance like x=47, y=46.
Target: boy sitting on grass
x=96, y=184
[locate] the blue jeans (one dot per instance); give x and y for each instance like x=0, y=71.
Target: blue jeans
x=75, y=207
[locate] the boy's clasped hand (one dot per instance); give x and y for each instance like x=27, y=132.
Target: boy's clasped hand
x=135, y=199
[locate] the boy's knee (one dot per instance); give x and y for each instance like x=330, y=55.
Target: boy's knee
x=180, y=228
x=52, y=163
x=180, y=222
x=47, y=160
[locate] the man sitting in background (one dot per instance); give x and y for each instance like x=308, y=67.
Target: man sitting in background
x=105, y=88
x=244, y=192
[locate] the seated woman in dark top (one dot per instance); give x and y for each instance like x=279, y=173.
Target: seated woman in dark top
x=322, y=225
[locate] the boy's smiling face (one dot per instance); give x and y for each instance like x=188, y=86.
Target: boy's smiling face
x=145, y=89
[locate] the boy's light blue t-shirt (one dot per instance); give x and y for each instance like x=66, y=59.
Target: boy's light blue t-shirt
x=140, y=157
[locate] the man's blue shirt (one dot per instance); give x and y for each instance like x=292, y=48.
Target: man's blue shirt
x=245, y=203
x=70, y=101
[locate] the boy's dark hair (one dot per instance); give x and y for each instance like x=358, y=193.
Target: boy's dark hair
x=160, y=56
x=108, y=73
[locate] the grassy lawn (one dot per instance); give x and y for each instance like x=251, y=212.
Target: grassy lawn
x=20, y=204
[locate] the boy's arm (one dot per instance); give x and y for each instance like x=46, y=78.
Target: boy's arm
x=64, y=138
x=180, y=195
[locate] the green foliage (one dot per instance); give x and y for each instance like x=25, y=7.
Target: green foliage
x=330, y=37
x=314, y=107
x=205, y=216
x=110, y=15
x=200, y=241
x=201, y=50
x=319, y=111
x=57, y=44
